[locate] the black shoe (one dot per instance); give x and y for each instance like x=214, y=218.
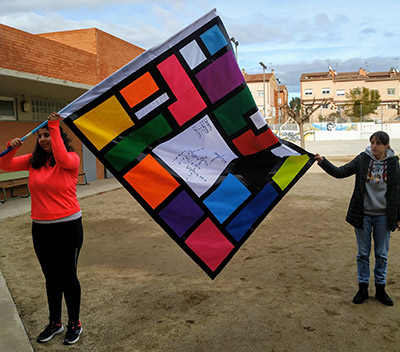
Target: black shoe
x=362, y=293
x=74, y=331
x=382, y=296
x=48, y=333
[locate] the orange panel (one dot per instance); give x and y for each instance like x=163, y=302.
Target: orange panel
x=139, y=89
x=151, y=181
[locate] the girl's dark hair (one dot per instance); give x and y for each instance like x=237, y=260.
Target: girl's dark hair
x=381, y=136
x=40, y=157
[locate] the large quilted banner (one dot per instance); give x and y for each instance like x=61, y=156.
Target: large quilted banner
x=179, y=129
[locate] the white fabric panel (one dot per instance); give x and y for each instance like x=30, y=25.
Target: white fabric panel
x=193, y=54
x=153, y=105
x=284, y=150
x=258, y=119
x=198, y=155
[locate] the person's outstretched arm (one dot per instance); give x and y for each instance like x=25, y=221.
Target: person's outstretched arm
x=10, y=162
x=343, y=171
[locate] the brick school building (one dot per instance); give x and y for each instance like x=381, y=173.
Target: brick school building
x=41, y=73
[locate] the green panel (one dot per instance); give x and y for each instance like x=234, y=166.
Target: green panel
x=289, y=170
x=230, y=114
x=13, y=175
x=132, y=145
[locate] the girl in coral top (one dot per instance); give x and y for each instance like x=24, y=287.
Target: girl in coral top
x=56, y=221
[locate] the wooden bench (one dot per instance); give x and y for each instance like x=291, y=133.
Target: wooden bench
x=85, y=181
x=13, y=180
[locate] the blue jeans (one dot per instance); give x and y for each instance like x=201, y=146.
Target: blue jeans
x=378, y=227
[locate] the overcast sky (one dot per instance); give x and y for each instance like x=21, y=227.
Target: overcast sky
x=290, y=36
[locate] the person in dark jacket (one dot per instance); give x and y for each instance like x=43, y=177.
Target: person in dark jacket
x=374, y=209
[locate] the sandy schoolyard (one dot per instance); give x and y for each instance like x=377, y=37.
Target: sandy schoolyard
x=289, y=288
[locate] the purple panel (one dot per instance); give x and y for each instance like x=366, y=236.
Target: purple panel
x=221, y=77
x=181, y=213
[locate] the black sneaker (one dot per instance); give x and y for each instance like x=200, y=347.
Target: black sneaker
x=48, y=333
x=74, y=331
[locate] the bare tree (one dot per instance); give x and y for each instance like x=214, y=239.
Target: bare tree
x=300, y=112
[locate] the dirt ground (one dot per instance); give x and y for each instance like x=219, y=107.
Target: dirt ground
x=289, y=288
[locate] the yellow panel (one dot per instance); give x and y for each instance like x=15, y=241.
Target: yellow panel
x=105, y=122
x=289, y=170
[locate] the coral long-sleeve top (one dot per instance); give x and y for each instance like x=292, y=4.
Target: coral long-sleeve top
x=53, y=189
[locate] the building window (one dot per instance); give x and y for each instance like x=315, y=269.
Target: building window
x=41, y=109
x=356, y=91
x=340, y=92
x=308, y=92
x=326, y=91
x=7, y=109
x=391, y=91
x=325, y=106
x=260, y=93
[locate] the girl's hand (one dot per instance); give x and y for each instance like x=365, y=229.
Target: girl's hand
x=54, y=117
x=15, y=143
x=319, y=158
x=398, y=226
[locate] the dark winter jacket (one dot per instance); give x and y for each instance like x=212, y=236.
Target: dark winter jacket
x=359, y=167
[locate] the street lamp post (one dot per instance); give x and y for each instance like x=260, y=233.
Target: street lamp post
x=264, y=68
x=236, y=43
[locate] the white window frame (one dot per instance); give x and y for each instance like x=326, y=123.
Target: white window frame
x=340, y=92
x=260, y=93
x=390, y=90
x=325, y=91
x=9, y=117
x=308, y=91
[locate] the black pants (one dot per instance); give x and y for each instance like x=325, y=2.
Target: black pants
x=57, y=248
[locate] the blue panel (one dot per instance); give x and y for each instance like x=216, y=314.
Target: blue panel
x=227, y=197
x=214, y=40
x=249, y=215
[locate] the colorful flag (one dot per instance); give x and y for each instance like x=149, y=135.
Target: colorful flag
x=179, y=129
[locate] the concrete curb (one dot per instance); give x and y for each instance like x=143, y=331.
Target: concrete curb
x=13, y=336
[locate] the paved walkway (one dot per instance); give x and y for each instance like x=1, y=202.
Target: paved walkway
x=13, y=337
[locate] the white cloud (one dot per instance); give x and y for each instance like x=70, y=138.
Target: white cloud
x=37, y=23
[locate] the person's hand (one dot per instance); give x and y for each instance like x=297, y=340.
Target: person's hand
x=54, y=117
x=15, y=143
x=319, y=158
x=398, y=226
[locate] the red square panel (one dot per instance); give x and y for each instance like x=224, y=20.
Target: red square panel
x=210, y=245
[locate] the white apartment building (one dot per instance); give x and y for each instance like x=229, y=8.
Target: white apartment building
x=255, y=82
x=333, y=87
